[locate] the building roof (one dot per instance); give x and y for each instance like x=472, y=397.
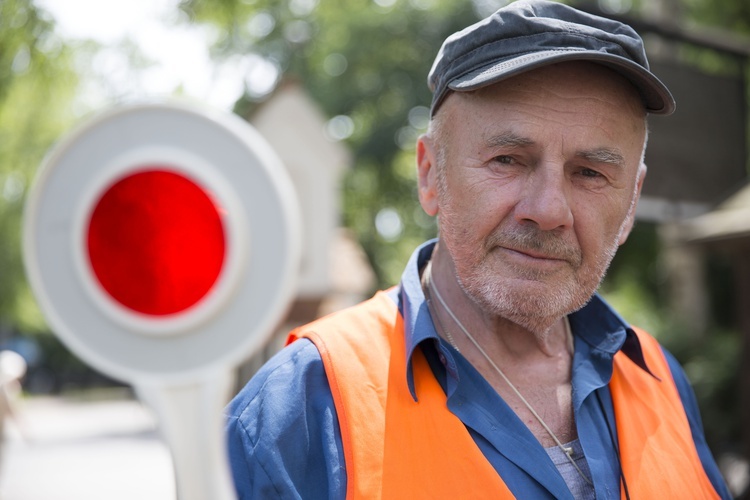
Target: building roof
x=729, y=221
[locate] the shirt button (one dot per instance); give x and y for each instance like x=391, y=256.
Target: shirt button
x=442, y=358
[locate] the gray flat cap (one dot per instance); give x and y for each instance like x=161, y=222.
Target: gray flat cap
x=529, y=34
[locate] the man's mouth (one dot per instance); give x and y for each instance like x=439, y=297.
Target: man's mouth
x=535, y=254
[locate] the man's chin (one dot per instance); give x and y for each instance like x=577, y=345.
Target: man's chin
x=531, y=304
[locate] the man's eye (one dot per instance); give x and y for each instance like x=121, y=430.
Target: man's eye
x=505, y=160
x=587, y=172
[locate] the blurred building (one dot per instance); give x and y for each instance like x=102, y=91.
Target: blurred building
x=334, y=271
x=697, y=190
x=726, y=231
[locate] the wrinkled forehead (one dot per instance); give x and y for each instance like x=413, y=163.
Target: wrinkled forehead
x=602, y=94
x=584, y=105
x=569, y=79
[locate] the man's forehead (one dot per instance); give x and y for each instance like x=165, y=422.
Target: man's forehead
x=575, y=78
x=605, y=133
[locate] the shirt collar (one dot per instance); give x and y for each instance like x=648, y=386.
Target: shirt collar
x=604, y=330
x=418, y=324
x=596, y=323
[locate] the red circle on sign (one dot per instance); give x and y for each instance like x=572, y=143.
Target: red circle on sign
x=156, y=242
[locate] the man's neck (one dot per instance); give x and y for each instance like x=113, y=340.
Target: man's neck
x=532, y=373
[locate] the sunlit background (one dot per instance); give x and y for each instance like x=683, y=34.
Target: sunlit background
x=339, y=88
x=147, y=48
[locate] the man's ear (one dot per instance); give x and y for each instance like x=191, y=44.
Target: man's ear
x=427, y=174
x=630, y=220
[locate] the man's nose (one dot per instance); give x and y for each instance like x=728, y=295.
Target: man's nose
x=545, y=199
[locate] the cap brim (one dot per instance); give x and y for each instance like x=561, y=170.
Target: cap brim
x=656, y=97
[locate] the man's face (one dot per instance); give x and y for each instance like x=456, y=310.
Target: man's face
x=534, y=180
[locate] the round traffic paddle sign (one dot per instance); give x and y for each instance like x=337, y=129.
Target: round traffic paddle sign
x=162, y=241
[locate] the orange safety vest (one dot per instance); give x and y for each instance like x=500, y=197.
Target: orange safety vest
x=396, y=447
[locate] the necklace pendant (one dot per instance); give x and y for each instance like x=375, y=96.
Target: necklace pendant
x=568, y=451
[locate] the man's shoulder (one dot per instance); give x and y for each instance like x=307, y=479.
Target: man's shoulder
x=285, y=376
x=297, y=373
x=379, y=309
x=282, y=430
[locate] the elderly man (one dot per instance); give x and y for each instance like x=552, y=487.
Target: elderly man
x=494, y=370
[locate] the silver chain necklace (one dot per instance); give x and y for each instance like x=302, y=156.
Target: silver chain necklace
x=430, y=285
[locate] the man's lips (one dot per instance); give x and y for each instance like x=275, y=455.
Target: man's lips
x=532, y=247
x=536, y=255
x=535, y=258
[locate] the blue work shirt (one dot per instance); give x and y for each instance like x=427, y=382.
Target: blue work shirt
x=285, y=442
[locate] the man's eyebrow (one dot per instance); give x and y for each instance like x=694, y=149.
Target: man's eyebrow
x=609, y=156
x=603, y=155
x=508, y=139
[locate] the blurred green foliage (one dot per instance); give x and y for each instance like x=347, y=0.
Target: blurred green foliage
x=366, y=61
x=37, y=86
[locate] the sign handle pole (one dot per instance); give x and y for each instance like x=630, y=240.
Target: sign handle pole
x=191, y=422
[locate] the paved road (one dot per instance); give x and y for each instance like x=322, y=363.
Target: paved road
x=84, y=450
